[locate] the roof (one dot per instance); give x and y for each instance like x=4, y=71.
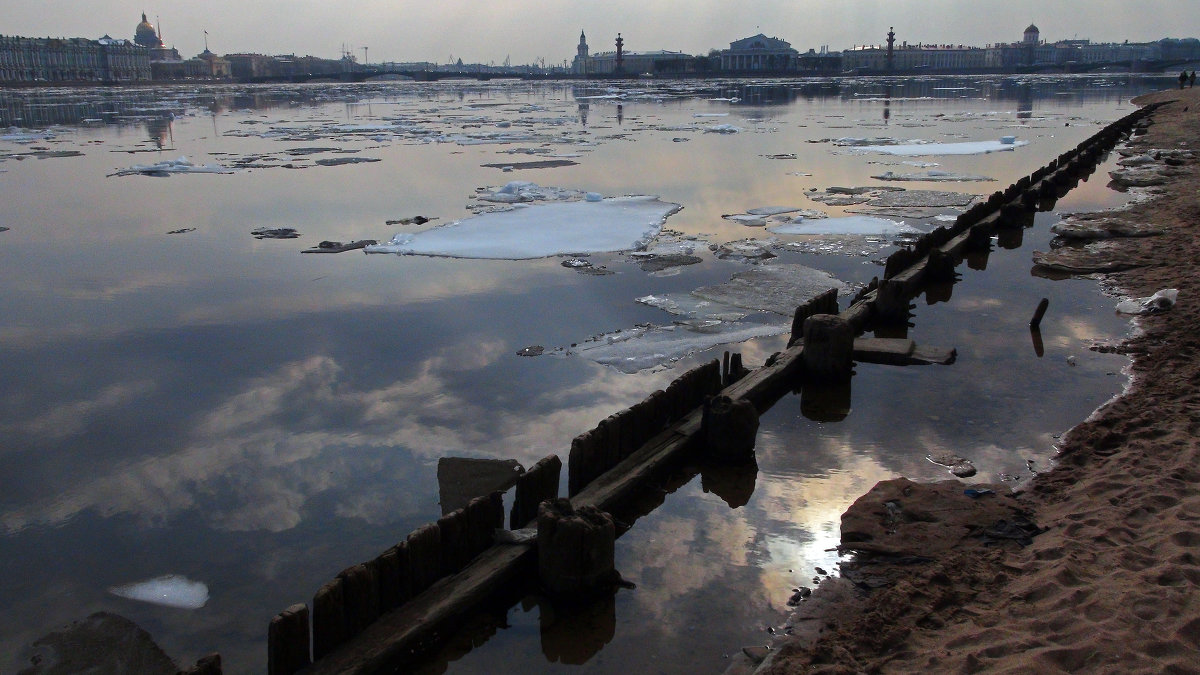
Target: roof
x=759, y=42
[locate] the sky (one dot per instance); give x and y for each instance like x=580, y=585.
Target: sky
x=527, y=31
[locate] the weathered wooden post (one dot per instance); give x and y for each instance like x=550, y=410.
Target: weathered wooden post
x=576, y=550
x=729, y=428
x=287, y=641
x=360, y=597
x=828, y=346
x=538, y=484
x=455, y=543
x=424, y=557
x=940, y=267
x=393, y=580
x=891, y=303
x=328, y=618
x=485, y=515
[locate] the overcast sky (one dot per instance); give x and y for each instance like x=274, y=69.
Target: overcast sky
x=527, y=30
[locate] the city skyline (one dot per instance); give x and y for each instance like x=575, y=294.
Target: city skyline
x=526, y=32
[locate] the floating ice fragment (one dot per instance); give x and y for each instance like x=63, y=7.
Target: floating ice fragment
x=170, y=166
x=847, y=225
x=772, y=210
x=749, y=220
x=771, y=288
x=722, y=129
x=542, y=230
x=171, y=590
x=926, y=149
x=932, y=176
x=649, y=346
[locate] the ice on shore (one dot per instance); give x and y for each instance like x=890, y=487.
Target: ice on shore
x=542, y=230
x=927, y=149
x=847, y=225
x=171, y=590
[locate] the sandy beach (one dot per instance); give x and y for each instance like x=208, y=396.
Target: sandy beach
x=1091, y=567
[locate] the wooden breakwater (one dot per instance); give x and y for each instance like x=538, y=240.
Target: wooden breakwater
x=377, y=615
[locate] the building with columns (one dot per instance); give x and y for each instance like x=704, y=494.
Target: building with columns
x=759, y=53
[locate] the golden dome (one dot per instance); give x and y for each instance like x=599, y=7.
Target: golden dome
x=145, y=35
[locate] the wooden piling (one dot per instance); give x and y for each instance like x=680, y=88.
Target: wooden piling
x=287, y=641
x=538, y=484
x=392, y=565
x=455, y=547
x=484, y=516
x=891, y=302
x=822, y=303
x=360, y=597
x=1036, y=321
x=828, y=346
x=328, y=618
x=424, y=557
x=576, y=550
x=729, y=429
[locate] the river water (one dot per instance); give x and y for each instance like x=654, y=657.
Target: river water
x=183, y=398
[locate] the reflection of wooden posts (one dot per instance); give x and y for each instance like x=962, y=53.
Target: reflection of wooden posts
x=538, y=484
x=729, y=428
x=576, y=554
x=828, y=346
x=287, y=641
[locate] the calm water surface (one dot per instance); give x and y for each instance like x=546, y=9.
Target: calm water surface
x=222, y=407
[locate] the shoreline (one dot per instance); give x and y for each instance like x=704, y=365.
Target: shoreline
x=1109, y=585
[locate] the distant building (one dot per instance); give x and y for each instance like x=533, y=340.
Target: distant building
x=632, y=63
x=34, y=60
x=906, y=58
x=759, y=53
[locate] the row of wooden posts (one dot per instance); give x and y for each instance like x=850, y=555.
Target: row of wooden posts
x=346, y=605
x=933, y=257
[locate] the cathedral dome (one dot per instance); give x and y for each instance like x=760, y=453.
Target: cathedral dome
x=145, y=35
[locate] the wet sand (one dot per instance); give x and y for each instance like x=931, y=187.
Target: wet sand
x=1111, y=585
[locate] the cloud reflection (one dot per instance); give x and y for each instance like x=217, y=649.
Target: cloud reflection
x=258, y=457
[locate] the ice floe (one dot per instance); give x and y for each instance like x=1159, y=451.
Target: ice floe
x=771, y=288
x=651, y=346
x=711, y=316
x=927, y=149
x=933, y=176
x=846, y=225
x=171, y=590
x=171, y=166
x=542, y=230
